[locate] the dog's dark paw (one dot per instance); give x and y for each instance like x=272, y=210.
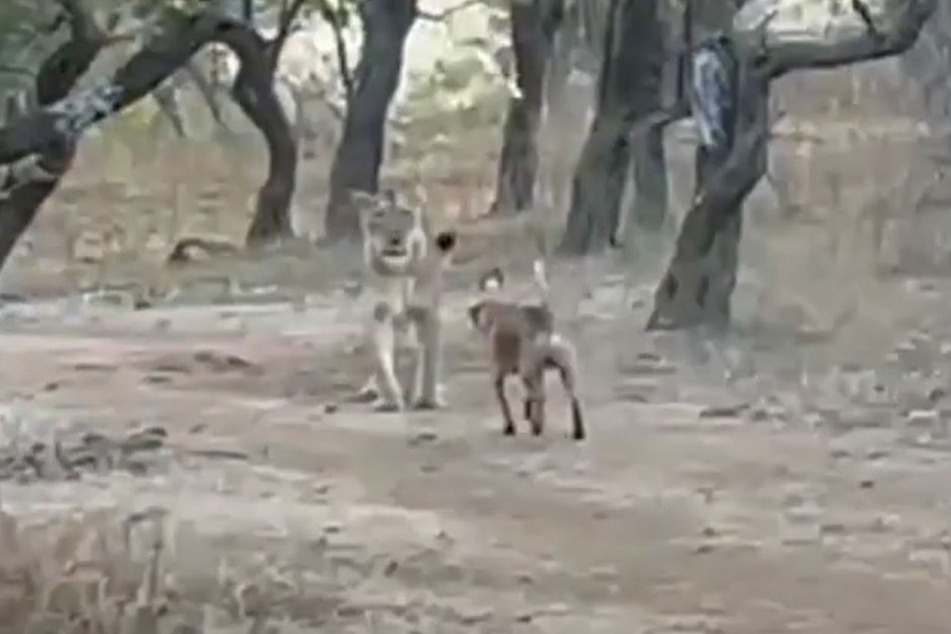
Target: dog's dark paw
x=428, y=405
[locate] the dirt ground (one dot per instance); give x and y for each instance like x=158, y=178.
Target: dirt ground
x=792, y=476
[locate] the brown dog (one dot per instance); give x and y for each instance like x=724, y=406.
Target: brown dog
x=523, y=342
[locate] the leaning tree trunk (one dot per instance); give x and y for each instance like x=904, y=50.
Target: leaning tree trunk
x=629, y=86
x=769, y=39
x=533, y=24
x=51, y=133
x=356, y=164
x=730, y=102
x=56, y=78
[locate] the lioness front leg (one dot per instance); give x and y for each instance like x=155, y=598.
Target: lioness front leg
x=383, y=342
x=428, y=355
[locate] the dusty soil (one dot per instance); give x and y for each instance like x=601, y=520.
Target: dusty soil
x=746, y=485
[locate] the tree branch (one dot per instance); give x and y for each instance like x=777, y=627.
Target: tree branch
x=343, y=63
x=206, y=90
x=800, y=34
x=287, y=17
x=15, y=70
x=443, y=15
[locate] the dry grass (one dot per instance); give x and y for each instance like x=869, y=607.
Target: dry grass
x=113, y=572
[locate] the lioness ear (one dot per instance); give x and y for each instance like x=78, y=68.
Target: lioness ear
x=362, y=200
x=364, y=204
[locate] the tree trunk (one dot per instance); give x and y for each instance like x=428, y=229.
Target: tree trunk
x=646, y=210
x=767, y=40
x=731, y=105
x=253, y=90
x=629, y=89
x=52, y=132
x=356, y=165
x=534, y=24
x=56, y=78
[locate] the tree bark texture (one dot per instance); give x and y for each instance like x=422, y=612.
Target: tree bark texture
x=628, y=90
x=768, y=38
x=534, y=24
x=52, y=132
x=357, y=161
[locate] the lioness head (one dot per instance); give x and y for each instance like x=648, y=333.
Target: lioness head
x=394, y=239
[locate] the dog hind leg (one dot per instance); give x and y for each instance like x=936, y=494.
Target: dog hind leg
x=499, y=385
x=563, y=357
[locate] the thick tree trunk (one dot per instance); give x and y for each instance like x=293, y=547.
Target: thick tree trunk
x=534, y=24
x=768, y=39
x=356, y=165
x=629, y=90
x=51, y=133
x=646, y=210
x=253, y=90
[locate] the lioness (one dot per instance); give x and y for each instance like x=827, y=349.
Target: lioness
x=404, y=265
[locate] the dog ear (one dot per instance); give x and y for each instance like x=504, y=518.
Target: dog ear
x=492, y=280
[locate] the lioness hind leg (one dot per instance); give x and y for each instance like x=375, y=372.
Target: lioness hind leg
x=383, y=342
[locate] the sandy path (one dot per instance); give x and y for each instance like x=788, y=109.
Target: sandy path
x=665, y=521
